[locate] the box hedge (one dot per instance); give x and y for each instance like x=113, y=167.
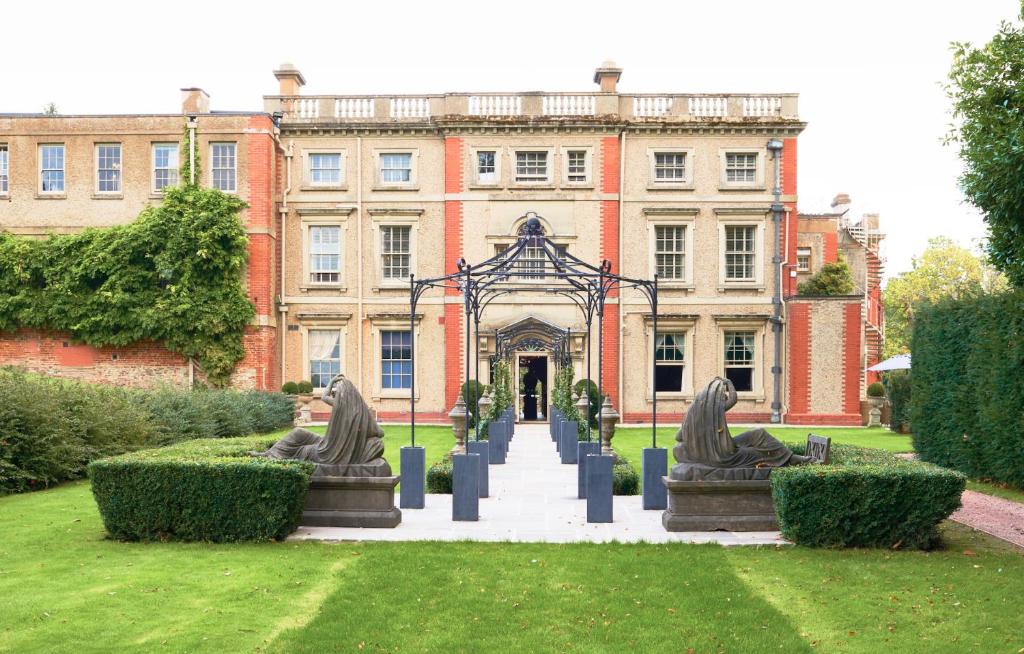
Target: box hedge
x=967, y=388
x=864, y=498
x=203, y=490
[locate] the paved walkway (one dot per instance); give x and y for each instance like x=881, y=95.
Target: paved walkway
x=533, y=499
x=993, y=515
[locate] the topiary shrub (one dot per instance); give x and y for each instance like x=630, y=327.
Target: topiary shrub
x=471, y=391
x=439, y=477
x=625, y=478
x=876, y=389
x=833, y=279
x=204, y=490
x=897, y=390
x=305, y=387
x=864, y=498
x=290, y=388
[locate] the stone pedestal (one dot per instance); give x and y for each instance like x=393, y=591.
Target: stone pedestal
x=568, y=439
x=483, y=450
x=414, y=465
x=497, y=435
x=466, y=487
x=726, y=505
x=351, y=502
x=599, y=487
x=584, y=448
x=653, y=467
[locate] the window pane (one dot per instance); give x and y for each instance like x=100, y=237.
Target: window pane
x=3, y=170
x=670, y=166
x=396, y=167
x=52, y=168
x=741, y=378
x=324, y=356
x=396, y=359
x=165, y=165
x=108, y=168
x=739, y=359
x=325, y=253
x=577, y=165
x=395, y=254
x=223, y=166
x=325, y=168
x=739, y=252
x=669, y=246
x=741, y=167
x=668, y=379
x=531, y=166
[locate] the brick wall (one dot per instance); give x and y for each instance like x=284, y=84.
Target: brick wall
x=453, y=341
x=610, y=250
x=260, y=351
x=789, y=178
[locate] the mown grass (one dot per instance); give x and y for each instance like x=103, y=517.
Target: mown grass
x=65, y=588
x=996, y=489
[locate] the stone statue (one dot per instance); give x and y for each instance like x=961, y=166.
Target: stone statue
x=352, y=445
x=708, y=452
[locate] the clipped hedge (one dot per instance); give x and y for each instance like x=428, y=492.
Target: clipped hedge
x=864, y=498
x=967, y=399
x=203, y=490
x=625, y=478
x=439, y=477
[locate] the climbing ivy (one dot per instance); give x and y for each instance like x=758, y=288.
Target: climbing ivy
x=186, y=165
x=174, y=275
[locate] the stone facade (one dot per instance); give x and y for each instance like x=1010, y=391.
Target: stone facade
x=348, y=195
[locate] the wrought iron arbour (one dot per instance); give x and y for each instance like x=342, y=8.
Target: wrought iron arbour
x=534, y=264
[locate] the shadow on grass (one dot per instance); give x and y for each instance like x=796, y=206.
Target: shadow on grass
x=472, y=597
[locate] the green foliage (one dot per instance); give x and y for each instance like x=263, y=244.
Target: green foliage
x=501, y=397
x=185, y=168
x=305, y=387
x=561, y=397
x=988, y=110
x=833, y=279
x=897, y=389
x=439, y=477
x=51, y=109
x=876, y=389
x=967, y=404
x=625, y=478
x=471, y=391
x=943, y=270
x=50, y=428
x=290, y=388
x=174, y=275
x=595, y=401
x=864, y=498
x=204, y=490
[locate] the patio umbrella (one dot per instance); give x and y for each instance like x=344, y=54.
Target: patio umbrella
x=898, y=362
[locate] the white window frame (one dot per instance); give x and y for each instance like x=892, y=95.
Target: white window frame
x=234, y=167
x=308, y=223
x=748, y=219
x=5, y=170
x=307, y=170
x=759, y=175
x=808, y=252
x=688, y=222
x=120, y=168
x=757, y=326
x=377, y=326
x=341, y=326
x=686, y=183
x=475, y=163
x=63, y=169
x=176, y=148
x=549, y=154
x=678, y=325
x=412, y=184
x=588, y=166
x=394, y=218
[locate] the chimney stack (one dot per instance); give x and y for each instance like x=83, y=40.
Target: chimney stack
x=290, y=78
x=607, y=76
x=841, y=199
x=195, y=101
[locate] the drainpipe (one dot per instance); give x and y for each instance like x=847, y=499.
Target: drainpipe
x=282, y=307
x=775, y=147
x=359, y=249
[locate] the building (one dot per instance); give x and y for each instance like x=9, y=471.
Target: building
x=349, y=195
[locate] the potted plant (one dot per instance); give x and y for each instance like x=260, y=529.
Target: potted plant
x=876, y=397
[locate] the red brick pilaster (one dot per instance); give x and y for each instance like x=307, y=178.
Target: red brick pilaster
x=790, y=228
x=852, y=363
x=830, y=250
x=799, y=334
x=610, y=155
x=260, y=341
x=453, y=341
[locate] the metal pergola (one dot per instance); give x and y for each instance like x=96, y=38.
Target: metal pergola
x=533, y=264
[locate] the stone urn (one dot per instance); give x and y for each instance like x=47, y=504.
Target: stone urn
x=484, y=406
x=609, y=418
x=584, y=409
x=458, y=418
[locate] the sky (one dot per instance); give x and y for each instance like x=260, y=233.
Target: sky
x=870, y=74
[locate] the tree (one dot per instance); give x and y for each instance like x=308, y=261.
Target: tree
x=944, y=269
x=833, y=279
x=51, y=109
x=988, y=107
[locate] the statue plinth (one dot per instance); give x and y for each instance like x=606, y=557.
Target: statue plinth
x=713, y=505
x=350, y=501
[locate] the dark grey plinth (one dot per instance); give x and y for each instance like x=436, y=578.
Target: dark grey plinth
x=584, y=448
x=497, y=441
x=599, y=487
x=466, y=487
x=709, y=505
x=483, y=449
x=567, y=450
x=414, y=464
x=351, y=502
x=654, y=466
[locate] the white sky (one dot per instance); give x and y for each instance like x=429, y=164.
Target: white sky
x=869, y=73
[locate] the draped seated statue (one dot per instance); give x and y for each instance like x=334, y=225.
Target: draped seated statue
x=352, y=446
x=706, y=451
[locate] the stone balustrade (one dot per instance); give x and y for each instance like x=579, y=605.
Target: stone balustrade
x=627, y=107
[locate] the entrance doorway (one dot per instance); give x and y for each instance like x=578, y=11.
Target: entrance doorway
x=533, y=387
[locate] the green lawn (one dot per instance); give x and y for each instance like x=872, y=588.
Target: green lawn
x=65, y=588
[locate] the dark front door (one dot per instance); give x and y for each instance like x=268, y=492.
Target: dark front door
x=535, y=386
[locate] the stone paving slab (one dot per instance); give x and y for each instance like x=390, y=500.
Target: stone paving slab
x=533, y=500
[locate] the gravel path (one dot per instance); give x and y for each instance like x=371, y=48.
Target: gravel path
x=992, y=515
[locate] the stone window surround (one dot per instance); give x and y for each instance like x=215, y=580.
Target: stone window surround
x=757, y=185
x=393, y=322
x=499, y=155
x=97, y=193
x=667, y=217
x=307, y=180
x=549, y=182
x=211, y=146
x=805, y=251
x=50, y=195
x=153, y=191
x=320, y=217
x=753, y=217
x=677, y=324
x=413, y=183
x=672, y=185
x=339, y=322
x=588, y=151
x=753, y=323
x=398, y=218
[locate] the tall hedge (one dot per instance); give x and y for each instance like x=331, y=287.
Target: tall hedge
x=967, y=398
